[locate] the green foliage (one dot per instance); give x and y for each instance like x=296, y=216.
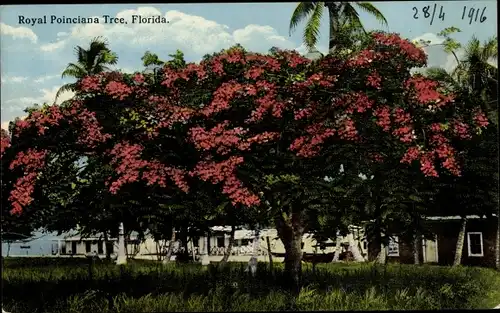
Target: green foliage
x=151, y=59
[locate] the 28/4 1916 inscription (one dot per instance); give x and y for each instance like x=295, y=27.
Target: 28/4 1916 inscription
x=471, y=14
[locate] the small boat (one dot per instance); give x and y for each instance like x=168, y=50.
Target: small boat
x=311, y=257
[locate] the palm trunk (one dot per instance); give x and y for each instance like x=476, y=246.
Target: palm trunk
x=270, y=254
x=332, y=43
x=227, y=253
x=334, y=12
x=353, y=247
x=460, y=243
x=382, y=255
x=336, y=254
x=290, y=232
x=106, y=245
x=122, y=257
x=170, y=247
x=127, y=240
x=416, y=250
x=497, y=248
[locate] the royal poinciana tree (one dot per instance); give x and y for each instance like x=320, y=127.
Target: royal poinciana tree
x=262, y=130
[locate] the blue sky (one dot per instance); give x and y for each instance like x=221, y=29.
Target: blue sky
x=33, y=57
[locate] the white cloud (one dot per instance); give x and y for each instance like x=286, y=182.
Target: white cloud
x=184, y=31
x=5, y=125
x=13, y=79
x=47, y=96
x=260, y=38
x=303, y=50
x=42, y=79
x=433, y=38
x=18, y=32
x=53, y=46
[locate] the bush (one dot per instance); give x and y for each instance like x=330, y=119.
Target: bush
x=62, y=285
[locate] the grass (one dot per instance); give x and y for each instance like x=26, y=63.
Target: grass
x=65, y=285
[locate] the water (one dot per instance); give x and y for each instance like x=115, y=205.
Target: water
x=43, y=244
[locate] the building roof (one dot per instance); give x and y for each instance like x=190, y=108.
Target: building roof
x=456, y=217
x=314, y=54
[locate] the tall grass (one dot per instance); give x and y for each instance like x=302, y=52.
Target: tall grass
x=68, y=286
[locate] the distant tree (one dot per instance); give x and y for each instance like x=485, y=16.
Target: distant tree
x=90, y=61
x=341, y=16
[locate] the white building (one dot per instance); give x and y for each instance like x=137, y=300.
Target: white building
x=215, y=245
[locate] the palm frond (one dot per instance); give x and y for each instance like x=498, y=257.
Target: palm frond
x=74, y=70
x=441, y=75
x=372, y=10
x=301, y=12
x=65, y=88
x=311, y=31
x=351, y=16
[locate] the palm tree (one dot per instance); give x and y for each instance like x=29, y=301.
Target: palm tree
x=343, y=17
x=89, y=62
x=476, y=77
x=474, y=74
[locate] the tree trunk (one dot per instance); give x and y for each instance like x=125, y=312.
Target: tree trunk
x=106, y=245
x=416, y=250
x=192, y=249
x=353, y=247
x=497, y=248
x=227, y=253
x=127, y=240
x=460, y=243
x=122, y=257
x=336, y=254
x=382, y=255
x=8, y=248
x=334, y=13
x=170, y=247
x=290, y=231
x=270, y=254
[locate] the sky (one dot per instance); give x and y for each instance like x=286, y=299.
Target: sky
x=34, y=56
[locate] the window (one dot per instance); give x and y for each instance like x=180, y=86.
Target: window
x=245, y=242
x=475, y=243
x=73, y=247
x=365, y=245
x=393, y=246
x=220, y=242
x=100, y=249
x=88, y=246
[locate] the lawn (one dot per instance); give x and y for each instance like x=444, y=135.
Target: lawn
x=67, y=285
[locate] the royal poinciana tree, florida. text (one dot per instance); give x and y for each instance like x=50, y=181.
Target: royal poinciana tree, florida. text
x=238, y=119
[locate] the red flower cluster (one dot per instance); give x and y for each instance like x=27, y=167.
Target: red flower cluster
x=130, y=166
x=426, y=91
x=118, y=90
x=5, y=142
x=252, y=100
x=374, y=80
x=31, y=161
x=225, y=172
x=405, y=47
x=480, y=119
